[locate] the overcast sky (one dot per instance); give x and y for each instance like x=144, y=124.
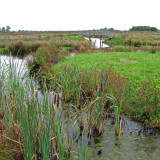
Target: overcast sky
x=78, y=14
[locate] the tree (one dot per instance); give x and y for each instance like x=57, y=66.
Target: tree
x=8, y=28
x=143, y=28
x=3, y=29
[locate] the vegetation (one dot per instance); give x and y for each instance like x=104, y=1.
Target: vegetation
x=144, y=28
x=134, y=41
x=33, y=128
x=3, y=29
x=87, y=88
x=142, y=69
x=3, y=51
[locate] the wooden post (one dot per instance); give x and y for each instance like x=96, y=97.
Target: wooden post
x=100, y=41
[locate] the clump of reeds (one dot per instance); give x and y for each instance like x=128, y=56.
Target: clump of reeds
x=36, y=127
x=88, y=90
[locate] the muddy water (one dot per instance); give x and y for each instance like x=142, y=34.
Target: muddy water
x=135, y=143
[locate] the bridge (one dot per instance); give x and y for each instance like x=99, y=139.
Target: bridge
x=101, y=34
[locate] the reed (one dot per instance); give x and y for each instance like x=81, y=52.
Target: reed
x=34, y=126
x=87, y=92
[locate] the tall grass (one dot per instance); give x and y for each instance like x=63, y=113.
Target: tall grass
x=36, y=127
x=87, y=91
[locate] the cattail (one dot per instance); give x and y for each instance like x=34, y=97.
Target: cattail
x=79, y=107
x=10, y=97
x=36, y=93
x=50, y=99
x=101, y=87
x=54, y=111
x=91, y=95
x=55, y=98
x=96, y=87
x=58, y=100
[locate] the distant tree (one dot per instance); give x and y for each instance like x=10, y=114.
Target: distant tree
x=0, y=29
x=3, y=29
x=143, y=28
x=8, y=28
x=107, y=29
x=110, y=29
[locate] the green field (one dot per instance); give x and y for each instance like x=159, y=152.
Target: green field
x=142, y=70
x=137, y=66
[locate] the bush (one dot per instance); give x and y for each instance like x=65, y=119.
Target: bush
x=40, y=55
x=121, y=48
x=114, y=41
x=152, y=50
x=23, y=48
x=3, y=50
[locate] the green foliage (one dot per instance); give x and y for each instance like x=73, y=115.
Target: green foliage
x=114, y=41
x=140, y=68
x=153, y=50
x=40, y=56
x=143, y=28
x=34, y=128
x=71, y=38
x=3, y=51
x=22, y=48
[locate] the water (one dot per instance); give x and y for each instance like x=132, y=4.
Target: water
x=135, y=143
x=19, y=68
x=96, y=43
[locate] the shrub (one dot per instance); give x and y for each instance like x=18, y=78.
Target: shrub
x=152, y=50
x=114, y=41
x=22, y=48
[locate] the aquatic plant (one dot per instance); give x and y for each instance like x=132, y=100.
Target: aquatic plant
x=34, y=126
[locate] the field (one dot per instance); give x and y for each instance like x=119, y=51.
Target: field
x=78, y=93
x=141, y=68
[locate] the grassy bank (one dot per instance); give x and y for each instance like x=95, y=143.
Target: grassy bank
x=142, y=70
x=137, y=66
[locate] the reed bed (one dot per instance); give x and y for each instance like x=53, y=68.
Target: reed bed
x=91, y=93
x=34, y=128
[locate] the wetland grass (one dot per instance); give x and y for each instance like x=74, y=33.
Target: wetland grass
x=35, y=127
x=90, y=93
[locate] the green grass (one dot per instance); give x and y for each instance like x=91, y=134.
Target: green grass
x=71, y=38
x=137, y=66
x=30, y=126
x=142, y=100
x=3, y=50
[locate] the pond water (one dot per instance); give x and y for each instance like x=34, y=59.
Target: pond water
x=135, y=143
x=19, y=68
x=96, y=43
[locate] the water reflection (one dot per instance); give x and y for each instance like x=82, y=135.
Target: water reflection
x=129, y=146
x=18, y=68
x=96, y=43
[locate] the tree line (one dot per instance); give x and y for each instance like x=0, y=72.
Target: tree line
x=5, y=29
x=143, y=28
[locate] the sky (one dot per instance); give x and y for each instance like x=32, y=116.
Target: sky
x=49, y=15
